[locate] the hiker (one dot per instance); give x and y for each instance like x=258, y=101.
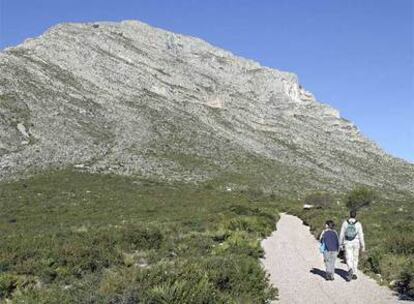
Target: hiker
x=351, y=240
x=330, y=243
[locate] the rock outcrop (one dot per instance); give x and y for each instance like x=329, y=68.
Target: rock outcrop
x=132, y=99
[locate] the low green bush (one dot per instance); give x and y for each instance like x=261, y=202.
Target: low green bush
x=405, y=283
x=8, y=284
x=139, y=237
x=240, y=243
x=373, y=261
x=359, y=198
x=251, y=224
x=401, y=244
x=183, y=291
x=319, y=200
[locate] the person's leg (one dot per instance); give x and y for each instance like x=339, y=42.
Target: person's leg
x=349, y=255
x=329, y=263
x=326, y=260
x=331, y=266
x=356, y=259
x=334, y=255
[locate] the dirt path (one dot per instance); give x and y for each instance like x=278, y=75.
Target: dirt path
x=296, y=268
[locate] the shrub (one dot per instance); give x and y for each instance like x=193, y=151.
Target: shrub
x=401, y=243
x=116, y=281
x=254, y=193
x=8, y=284
x=81, y=256
x=240, y=243
x=319, y=200
x=373, y=261
x=406, y=281
x=220, y=235
x=183, y=291
x=192, y=244
x=239, y=276
x=251, y=224
x=129, y=296
x=138, y=237
x=359, y=198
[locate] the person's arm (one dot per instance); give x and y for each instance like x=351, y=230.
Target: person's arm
x=361, y=237
x=321, y=236
x=338, y=245
x=342, y=234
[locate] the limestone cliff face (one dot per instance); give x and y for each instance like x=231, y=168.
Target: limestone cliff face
x=132, y=99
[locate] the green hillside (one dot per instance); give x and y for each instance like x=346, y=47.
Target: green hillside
x=71, y=237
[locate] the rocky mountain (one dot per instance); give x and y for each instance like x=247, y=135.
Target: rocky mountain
x=131, y=99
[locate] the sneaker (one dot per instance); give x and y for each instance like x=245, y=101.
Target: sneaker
x=332, y=277
x=354, y=277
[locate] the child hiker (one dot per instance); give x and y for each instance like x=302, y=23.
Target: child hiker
x=329, y=240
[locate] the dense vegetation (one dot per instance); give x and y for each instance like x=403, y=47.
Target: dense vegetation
x=70, y=237
x=389, y=232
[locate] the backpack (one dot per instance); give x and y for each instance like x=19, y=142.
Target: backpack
x=351, y=231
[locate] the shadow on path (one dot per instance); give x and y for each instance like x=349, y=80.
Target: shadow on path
x=342, y=273
x=318, y=272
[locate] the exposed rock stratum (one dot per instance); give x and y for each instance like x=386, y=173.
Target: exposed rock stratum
x=131, y=99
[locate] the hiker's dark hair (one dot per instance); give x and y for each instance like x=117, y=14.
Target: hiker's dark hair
x=352, y=214
x=330, y=224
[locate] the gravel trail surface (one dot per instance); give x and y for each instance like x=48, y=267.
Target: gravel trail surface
x=296, y=268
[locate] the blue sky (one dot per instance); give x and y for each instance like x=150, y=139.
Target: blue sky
x=357, y=56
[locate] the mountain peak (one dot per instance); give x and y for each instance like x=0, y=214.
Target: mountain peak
x=132, y=99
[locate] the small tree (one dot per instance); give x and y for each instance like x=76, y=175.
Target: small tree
x=360, y=197
x=319, y=199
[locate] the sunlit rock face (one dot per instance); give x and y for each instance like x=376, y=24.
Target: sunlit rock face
x=131, y=99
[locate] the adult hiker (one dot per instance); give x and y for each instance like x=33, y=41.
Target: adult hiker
x=330, y=245
x=351, y=240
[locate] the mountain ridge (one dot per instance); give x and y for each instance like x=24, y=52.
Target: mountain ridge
x=132, y=99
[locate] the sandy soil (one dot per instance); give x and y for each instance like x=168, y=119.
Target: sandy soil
x=296, y=268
